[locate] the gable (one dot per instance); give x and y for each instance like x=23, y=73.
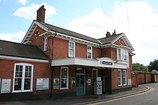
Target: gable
x=120, y=42
x=34, y=29
x=123, y=41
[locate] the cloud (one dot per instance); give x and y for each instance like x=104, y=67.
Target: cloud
x=16, y=37
x=23, y=2
x=94, y=24
x=29, y=12
x=135, y=19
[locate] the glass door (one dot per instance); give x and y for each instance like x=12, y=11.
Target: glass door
x=80, y=85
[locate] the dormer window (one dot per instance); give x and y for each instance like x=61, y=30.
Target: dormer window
x=122, y=54
x=89, y=52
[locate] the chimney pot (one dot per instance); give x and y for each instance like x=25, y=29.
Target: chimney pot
x=41, y=14
x=108, y=34
x=114, y=33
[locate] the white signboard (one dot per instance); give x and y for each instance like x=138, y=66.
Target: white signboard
x=42, y=84
x=5, y=85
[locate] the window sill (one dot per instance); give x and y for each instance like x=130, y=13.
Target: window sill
x=64, y=88
x=21, y=91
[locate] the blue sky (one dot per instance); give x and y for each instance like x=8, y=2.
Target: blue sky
x=138, y=19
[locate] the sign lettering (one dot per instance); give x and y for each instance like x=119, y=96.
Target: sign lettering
x=106, y=63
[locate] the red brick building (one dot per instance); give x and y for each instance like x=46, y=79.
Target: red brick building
x=74, y=61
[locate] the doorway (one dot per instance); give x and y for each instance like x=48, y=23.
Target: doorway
x=106, y=83
x=80, y=83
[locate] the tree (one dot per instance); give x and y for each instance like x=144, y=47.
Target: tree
x=139, y=67
x=153, y=65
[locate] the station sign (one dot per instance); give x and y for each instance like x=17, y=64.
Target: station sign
x=106, y=63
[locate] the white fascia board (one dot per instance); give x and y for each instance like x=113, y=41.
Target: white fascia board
x=68, y=37
x=42, y=26
x=87, y=62
x=34, y=23
x=129, y=43
x=121, y=66
x=28, y=31
x=73, y=61
x=23, y=59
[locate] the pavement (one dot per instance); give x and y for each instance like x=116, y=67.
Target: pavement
x=80, y=100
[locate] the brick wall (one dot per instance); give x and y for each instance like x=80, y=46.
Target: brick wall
x=40, y=70
x=114, y=80
x=109, y=52
x=81, y=50
x=60, y=49
x=120, y=42
x=143, y=77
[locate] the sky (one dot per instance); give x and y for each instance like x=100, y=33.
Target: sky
x=138, y=19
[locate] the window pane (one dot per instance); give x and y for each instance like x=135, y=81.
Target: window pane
x=71, y=45
x=28, y=71
x=17, y=84
x=71, y=53
x=18, y=72
x=124, y=78
x=63, y=83
x=89, y=48
x=89, y=55
x=27, y=84
x=64, y=78
x=71, y=49
x=64, y=73
x=89, y=52
x=119, y=77
x=119, y=54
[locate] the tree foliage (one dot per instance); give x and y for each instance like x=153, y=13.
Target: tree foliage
x=153, y=65
x=139, y=67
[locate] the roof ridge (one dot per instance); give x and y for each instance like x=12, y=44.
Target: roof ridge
x=67, y=30
x=16, y=43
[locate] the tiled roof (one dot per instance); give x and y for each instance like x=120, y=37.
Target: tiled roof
x=105, y=40
x=109, y=39
x=21, y=50
x=68, y=32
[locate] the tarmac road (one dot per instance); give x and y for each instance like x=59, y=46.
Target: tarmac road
x=146, y=94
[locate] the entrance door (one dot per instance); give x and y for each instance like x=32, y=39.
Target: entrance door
x=80, y=85
x=105, y=84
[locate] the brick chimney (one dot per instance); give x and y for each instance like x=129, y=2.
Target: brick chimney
x=108, y=34
x=41, y=14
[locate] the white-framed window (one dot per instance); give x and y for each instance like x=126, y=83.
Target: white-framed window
x=71, y=49
x=94, y=75
x=122, y=77
x=119, y=73
x=23, y=77
x=64, y=77
x=122, y=54
x=89, y=52
x=45, y=43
